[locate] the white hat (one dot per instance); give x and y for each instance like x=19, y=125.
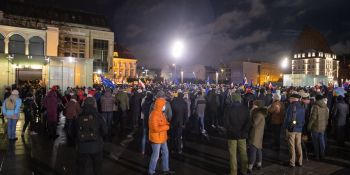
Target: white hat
x=276, y=97
x=15, y=92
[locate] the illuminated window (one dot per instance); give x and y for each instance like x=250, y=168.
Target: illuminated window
x=299, y=55
x=295, y=55
x=303, y=55
x=313, y=54
x=320, y=54
x=309, y=54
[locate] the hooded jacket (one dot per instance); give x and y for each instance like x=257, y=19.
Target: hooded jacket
x=256, y=133
x=319, y=117
x=158, y=124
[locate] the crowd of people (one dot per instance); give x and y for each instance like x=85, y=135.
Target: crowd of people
x=167, y=114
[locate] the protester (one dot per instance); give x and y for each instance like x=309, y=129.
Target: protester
x=200, y=106
x=11, y=111
x=28, y=109
x=145, y=106
x=122, y=101
x=256, y=134
x=339, y=115
x=180, y=112
x=51, y=104
x=158, y=127
x=237, y=123
x=90, y=131
x=71, y=113
x=107, y=105
x=135, y=105
x=293, y=124
x=318, y=125
x=277, y=112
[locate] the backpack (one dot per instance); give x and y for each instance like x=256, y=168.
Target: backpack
x=87, y=128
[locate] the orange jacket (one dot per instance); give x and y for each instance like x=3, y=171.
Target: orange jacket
x=157, y=123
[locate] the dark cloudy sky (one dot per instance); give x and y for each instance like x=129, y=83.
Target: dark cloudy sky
x=220, y=30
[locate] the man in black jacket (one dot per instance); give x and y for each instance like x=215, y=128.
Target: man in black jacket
x=237, y=124
x=180, y=111
x=92, y=148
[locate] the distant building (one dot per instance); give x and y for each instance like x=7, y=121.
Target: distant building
x=123, y=68
x=269, y=72
x=311, y=55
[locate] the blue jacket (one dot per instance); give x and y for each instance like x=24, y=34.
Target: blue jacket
x=14, y=112
x=300, y=116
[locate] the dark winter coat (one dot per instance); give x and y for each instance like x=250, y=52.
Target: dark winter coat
x=237, y=121
x=318, y=117
x=248, y=99
x=72, y=109
x=339, y=113
x=300, y=117
x=51, y=105
x=146, y=106
x=135, y=102
x=180, y=111
x=122, y=101
x=213, y=101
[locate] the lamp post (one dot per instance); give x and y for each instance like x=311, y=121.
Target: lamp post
x=182, y=77
x=217, y=77
x=9, y=58
x=177, y=51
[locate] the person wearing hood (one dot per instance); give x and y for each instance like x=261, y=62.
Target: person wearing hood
x=339, y=114
x=237, y=123
x=11, y=109
x=51, y=105
x=293, y=123
x=180, y=111
x=91, y=129
x=107, y=105
x=158, y=136
x=318, y=125
x=258, y=114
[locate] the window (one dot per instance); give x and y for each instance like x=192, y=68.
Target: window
x=299, y=55
x=309, y=54
x=313, y=54
x=320, y=54
x=100, y=49
x=81, y=55
x=295, y=55
x=303, y=55
x=74, y=46
x=36, y=46
x=16, y=44
x=2, y=44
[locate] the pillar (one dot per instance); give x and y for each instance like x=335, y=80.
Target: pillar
x=6, y=45
x=26, y=47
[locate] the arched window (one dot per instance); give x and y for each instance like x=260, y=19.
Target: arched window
x=16, y=44
x=36, y=46
x=2, y=44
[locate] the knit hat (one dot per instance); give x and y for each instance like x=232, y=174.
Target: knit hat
x=15, y=92
x=89, y=101
x=319, y=97
x=236, y=97
x=160, y=94
x=276, y=97
x=259, y=103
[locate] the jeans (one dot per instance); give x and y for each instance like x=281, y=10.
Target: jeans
x=294, y=143
x=241, y=146
x=96, y=163
x=201, y=123
x=108, y=116
x=155, y=156
x=254, y=153
x=340, y=135
x=144, y=135
x=27, y=120
x=318, y=139
x=11, y=128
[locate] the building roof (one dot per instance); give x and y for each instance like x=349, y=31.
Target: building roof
x=53, y=14
x=310, y=39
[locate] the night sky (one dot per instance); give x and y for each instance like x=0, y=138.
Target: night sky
x=219, y=30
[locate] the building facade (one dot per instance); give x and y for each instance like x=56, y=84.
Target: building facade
x=123, y=68
x=311, y=55
x=34, y=38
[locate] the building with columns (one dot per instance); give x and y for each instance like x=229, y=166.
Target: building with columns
x=34, y=36
x=312, y=58
x=123, y=68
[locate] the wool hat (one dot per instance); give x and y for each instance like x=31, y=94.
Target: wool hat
x=276, y=97
x=15, y=92
x=236, y=97
x=160, y=94
x=319, y=97
x=89, y=101
x=259, y=103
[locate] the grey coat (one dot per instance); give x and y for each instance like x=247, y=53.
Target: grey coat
x=339, y=113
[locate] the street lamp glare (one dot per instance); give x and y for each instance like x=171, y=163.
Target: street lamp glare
x=284, y=63
x=177, y=49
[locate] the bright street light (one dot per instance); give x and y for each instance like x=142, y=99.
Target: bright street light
x=284, y=63
x=177, y=49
